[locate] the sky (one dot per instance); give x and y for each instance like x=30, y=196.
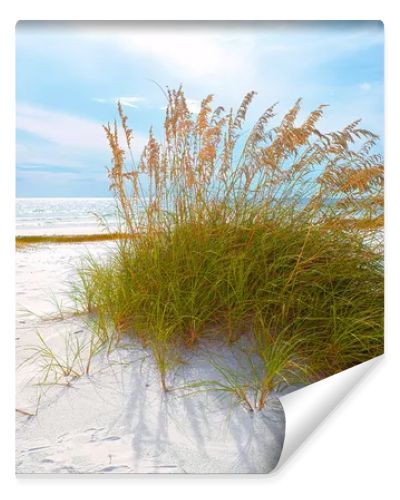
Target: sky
x=69, y=76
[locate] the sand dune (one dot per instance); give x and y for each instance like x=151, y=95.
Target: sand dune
x=117, y=420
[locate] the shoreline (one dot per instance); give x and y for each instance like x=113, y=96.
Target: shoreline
x=24, y=240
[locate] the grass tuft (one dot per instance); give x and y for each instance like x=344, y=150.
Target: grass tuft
x=274, y=234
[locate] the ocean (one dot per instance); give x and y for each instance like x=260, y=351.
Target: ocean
x=47, y=216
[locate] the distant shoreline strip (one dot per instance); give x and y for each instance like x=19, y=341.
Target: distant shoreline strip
x=21, y=241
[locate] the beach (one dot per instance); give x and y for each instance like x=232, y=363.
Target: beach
x=117, y=419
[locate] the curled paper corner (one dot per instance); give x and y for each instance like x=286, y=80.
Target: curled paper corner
x=306, y=408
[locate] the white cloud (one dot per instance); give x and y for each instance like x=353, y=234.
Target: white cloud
x=49, y=154
x=129, y=101
x=365, y=86
x=191, y=54
x=279, y=60
x=60, y=128
x=70, y=140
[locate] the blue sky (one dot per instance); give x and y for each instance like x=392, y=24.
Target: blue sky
x=70, y=75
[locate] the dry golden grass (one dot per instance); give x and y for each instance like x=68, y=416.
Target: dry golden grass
x=205, y=164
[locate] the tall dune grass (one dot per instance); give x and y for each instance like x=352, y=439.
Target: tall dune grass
x=274, y=234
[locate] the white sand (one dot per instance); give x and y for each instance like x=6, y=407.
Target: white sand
x=117, y=419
